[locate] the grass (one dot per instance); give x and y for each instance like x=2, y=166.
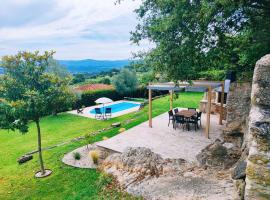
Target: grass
x=18, y=182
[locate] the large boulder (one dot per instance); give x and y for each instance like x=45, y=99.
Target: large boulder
x=135, y=164
x=258, y=134
x=218, y=154
x=261, y=82
x=239, y=172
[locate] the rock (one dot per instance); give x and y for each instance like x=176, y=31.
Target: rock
x=217, y=155
x=117, y=124
x=261, y=80
x=24, y=159
x=238, y=106
x=258, y=134
x=136, y=164
x=239, y=189
x=228, y=145
x=239, y=172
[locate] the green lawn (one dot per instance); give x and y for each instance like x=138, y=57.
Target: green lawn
x=17, y=181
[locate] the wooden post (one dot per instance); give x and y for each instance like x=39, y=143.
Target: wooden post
x=209, y=97
x=221, y=104
x=150, y=107
x=171, y=99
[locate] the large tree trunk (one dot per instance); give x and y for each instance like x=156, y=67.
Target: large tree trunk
x=39, y=148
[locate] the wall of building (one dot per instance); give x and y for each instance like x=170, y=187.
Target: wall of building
x=238, y=107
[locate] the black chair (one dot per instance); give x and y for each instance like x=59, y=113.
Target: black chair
x=171, y=117
x=179, y=119
x=175, y=110
x=80, y=110
x=192, y=109
x=199, y=117
x=108, y=112
x=98, y=113
x=194, y=120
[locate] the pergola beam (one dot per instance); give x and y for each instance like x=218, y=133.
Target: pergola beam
x=209, y=99
x=221, y=104
x=200, y=83
x=171, y=99
x=150, y=107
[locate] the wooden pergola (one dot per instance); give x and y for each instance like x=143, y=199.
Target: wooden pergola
x=196, y=86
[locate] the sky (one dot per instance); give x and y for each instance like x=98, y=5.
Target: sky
x=75, y=29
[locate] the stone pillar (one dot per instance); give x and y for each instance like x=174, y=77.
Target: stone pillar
x=258, y=135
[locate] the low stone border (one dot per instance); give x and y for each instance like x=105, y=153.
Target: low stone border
x=86, y=161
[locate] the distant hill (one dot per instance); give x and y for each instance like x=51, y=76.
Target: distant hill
x=92, y=66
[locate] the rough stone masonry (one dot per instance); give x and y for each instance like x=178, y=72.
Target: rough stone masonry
x=258, y=134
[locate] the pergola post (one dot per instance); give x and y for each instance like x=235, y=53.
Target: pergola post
x=150, y=107
x=209, y=98
x=171, y=99
x=221, y=104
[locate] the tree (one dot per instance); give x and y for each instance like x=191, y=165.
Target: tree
x=28, y=91
x=78, y=78
x=106, y=80
x=201, y=35
x=125, y=82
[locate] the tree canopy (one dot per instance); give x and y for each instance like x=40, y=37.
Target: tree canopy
x=194, y=37
x=30, y=90
x=125, y=82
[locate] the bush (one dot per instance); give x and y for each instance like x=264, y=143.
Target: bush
x=125, y=82
x=94, y=155
x=214, y=75
x=76, y=155
x=88, y=98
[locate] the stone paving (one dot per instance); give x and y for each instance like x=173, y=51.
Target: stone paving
x=164, y=140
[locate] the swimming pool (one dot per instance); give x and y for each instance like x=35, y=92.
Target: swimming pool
x=118, y=107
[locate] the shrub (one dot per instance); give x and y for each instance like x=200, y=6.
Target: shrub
x=94, y=155
x=89, y=97
x=104, y=180
x=122, y=130
x=105, y=138
x=76, y=155
x=125, y=82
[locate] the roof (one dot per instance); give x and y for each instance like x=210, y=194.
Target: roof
x=93, y=87
x=196, y=86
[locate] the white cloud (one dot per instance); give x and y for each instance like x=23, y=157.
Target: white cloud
x=74, y=28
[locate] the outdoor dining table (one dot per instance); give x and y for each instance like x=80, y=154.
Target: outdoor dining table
x=187, y=114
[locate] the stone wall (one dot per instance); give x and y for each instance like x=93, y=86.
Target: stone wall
x=238, y=107
x=258, y=134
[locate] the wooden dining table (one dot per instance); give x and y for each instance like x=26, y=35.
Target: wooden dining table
x=187, y=114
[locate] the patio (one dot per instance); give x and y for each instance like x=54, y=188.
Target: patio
x=164, y=140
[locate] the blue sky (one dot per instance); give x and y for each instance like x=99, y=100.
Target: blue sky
x=75, y=29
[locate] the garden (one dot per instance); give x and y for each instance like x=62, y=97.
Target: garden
x=17, y=181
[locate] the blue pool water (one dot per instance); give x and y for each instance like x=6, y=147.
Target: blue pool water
x=118, y=107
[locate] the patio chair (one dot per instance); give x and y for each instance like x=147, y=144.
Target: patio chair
x=194, y=120
x=80, y=111
x=192, y=109
x=199, y=117
x=98, y=113
x=108, y=112
x=171, y=117
x=179, y=119
x=175, y=110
